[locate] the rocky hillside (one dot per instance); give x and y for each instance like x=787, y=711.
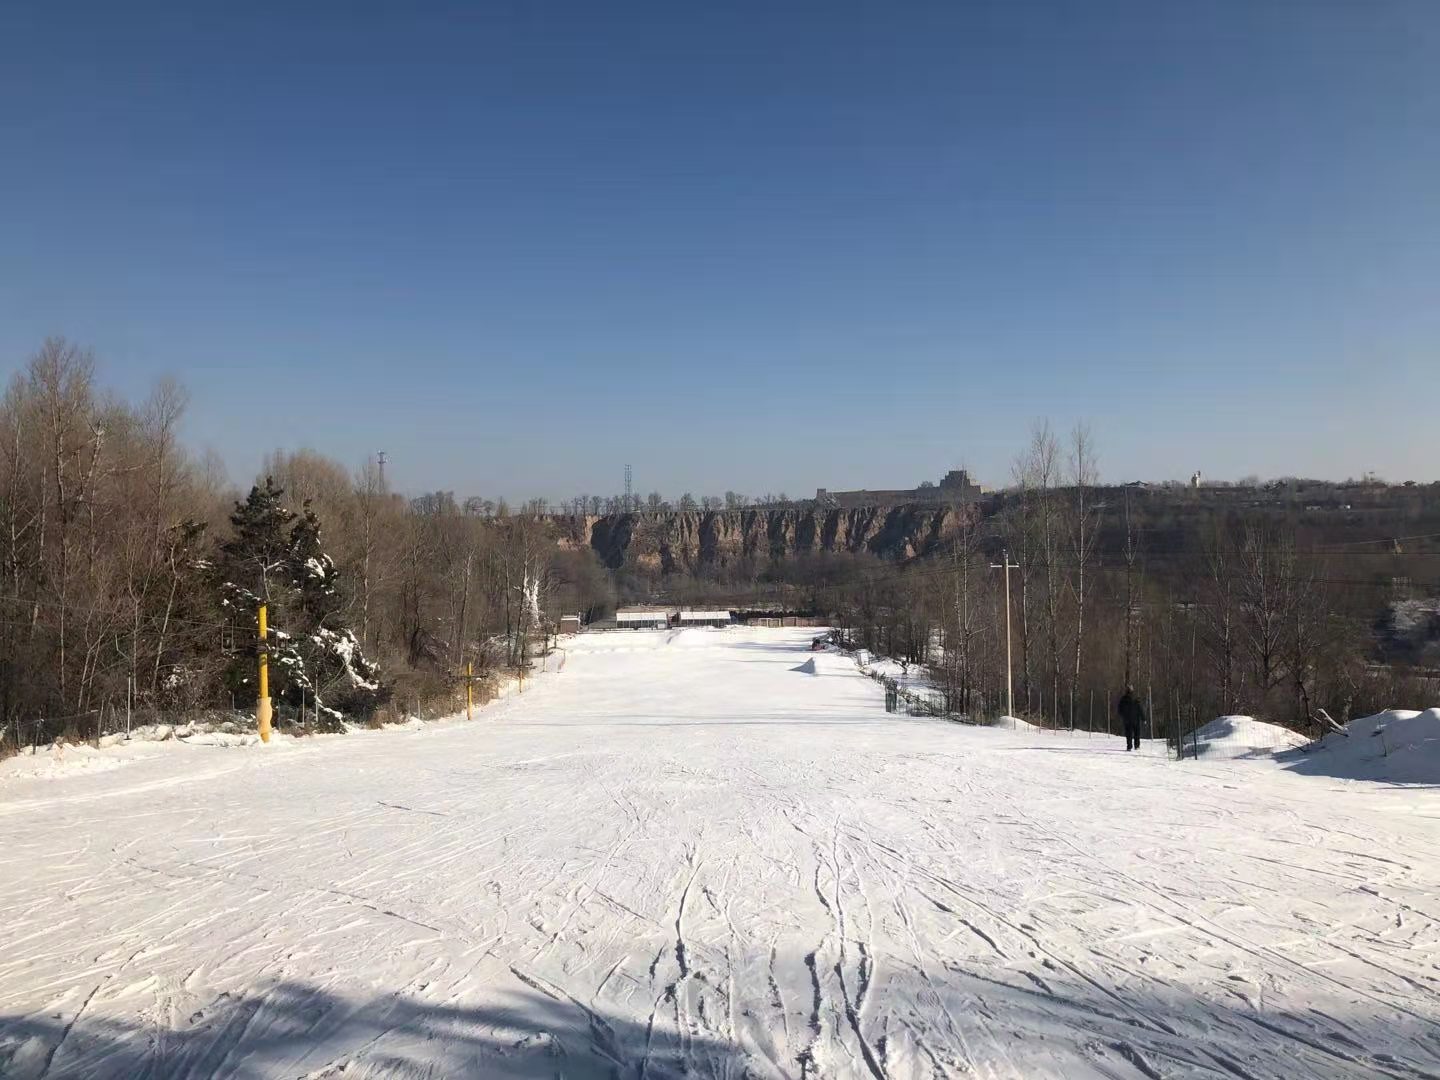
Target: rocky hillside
x=688, y=540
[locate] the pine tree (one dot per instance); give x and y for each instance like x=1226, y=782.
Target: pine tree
x=317, y=668
x=344, y=683
x=312, y=572
x=252, y=562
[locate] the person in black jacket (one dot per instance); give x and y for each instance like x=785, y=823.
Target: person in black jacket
x=1132, y=717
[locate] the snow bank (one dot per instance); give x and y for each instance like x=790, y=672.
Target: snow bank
x=1231, y=737
x=1398, y=745
x=223, y=738
x=54, y=760
x=1014, y=723
x=59, y=760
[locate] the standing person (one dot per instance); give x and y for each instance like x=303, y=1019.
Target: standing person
x=1132, y=717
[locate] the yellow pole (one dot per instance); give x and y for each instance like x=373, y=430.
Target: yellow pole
x=469, y=691
x=262, y=706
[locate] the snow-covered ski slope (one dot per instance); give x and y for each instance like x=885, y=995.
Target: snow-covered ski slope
x=681, y=857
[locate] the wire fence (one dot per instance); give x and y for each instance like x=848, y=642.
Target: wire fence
x=1185, y=731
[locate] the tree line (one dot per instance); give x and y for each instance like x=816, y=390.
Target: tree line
x=130, y=572
x=1228, y=611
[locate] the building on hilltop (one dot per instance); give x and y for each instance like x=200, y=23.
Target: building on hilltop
x=956, y=488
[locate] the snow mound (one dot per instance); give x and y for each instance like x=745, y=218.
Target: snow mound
x=1398, y=745
x=1231, y=737
x=222, y=738
x=807, y=668
x=1014, y=723
x=57, y=760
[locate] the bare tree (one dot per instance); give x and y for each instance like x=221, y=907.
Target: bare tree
x=1085, y=534
x=1038, y=471
x=1264, y=565
x=966, y=621
x=1131, y=554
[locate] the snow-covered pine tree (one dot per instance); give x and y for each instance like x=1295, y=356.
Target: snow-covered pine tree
x=317, y=668
x=345, y=683
x=251, y=568
x=256, y=552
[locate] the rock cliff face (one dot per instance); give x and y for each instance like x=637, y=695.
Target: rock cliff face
x=690, y=540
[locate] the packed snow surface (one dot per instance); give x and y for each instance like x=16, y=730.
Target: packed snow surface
x=679, y=856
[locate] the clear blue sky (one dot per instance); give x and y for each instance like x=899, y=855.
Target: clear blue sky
x=758, y=246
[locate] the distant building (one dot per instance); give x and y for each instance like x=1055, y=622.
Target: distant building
x=569, y=624
x=955, y=489
x=704, y=618
x=646, y=619
x=1196, y=480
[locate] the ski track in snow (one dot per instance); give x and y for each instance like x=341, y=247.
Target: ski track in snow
x=680, y=858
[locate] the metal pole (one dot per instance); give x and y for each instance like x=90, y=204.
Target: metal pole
x=262, y=704
x=1009, y=678
x=469, y=690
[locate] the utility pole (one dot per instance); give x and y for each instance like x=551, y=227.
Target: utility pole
x=262, y=705
x=1007, y=566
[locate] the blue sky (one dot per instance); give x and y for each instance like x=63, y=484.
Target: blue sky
x=760, y=246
